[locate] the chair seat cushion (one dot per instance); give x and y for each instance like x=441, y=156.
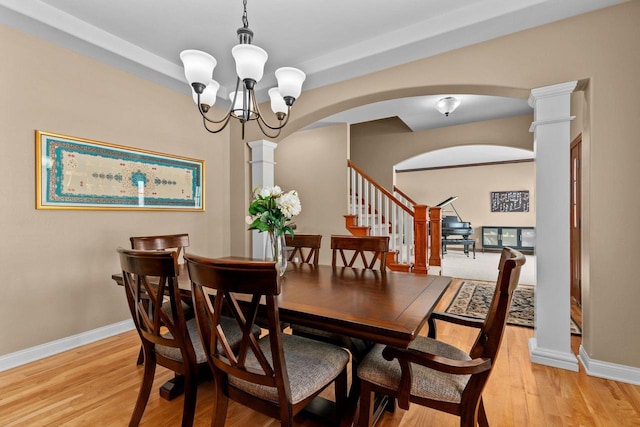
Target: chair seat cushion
x=311, y=366
x=357, y=347
x=230, y=327
x=174, y=352
x=427, y=383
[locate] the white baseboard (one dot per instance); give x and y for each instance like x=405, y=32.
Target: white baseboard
x=552, y=358
x=610, y=371
x=38, y=352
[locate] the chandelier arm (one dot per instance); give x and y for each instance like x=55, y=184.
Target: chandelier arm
x=261, y=124
x=226, y=117
x=263, y=121
x=224, y=124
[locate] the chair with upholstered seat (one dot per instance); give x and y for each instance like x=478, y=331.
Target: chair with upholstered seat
x=168, y=339
x=278, y=374
x=438, y=375
x=366, y=252
x=360, y=251
x=175, y=242
x=305, y=247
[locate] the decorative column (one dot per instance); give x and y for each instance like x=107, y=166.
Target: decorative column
x=262, y=175
x=551, y=343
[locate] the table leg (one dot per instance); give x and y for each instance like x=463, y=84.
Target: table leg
x=172, y=388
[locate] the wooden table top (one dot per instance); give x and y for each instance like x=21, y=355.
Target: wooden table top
x=389, y=308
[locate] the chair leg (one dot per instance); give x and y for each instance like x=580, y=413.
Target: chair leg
x=366, y=408
x=340, y=385
x=469, y=417
x=220, y=403
x=145, y=390
x=482, y=415
x=190, y=395
x=140, y=360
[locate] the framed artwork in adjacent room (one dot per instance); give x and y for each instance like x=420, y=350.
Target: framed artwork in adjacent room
x=510, y=201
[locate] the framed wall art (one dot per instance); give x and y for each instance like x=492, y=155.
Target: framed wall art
x=78, y=173
x=510, y=201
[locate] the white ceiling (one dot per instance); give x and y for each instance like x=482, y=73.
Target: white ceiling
x=330, y=40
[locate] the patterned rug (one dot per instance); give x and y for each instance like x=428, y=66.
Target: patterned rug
x=473, y=299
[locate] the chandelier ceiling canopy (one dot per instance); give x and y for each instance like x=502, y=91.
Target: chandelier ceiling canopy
x=250, y=60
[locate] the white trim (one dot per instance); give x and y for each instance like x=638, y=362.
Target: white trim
x=549, y=122
x=38, y=352
x=262, y=161
x=552, y=358
x=551, y=91
x=610, y=371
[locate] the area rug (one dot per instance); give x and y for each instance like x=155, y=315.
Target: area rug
x=473, y=300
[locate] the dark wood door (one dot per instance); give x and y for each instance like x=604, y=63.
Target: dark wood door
x=576, y=222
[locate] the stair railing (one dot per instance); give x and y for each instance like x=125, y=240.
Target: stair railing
x=379, y=210
x=403, y=197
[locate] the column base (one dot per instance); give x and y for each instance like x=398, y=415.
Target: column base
x=553, y=358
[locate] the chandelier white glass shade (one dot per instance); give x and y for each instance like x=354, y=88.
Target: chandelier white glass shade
x=447, y=105
x=250, y=61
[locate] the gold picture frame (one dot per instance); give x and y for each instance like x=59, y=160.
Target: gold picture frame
x=79, y=173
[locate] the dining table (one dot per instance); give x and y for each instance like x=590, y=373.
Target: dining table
x=384, y=307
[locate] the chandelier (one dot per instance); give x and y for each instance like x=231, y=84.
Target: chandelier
x=250, y=60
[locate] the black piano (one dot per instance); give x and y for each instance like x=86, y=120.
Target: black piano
x=455, y=231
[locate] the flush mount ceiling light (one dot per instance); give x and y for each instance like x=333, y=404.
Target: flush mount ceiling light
x=447, y=105
x=250, y=60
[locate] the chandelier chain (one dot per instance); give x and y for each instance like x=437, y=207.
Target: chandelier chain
x=245, y=19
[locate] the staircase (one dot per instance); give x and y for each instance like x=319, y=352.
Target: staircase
x=374, y=211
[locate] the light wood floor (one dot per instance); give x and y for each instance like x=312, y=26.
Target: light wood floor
x=96, y=385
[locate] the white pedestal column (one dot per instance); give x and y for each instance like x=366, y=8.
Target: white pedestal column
x=262, y=175
x=551, y=344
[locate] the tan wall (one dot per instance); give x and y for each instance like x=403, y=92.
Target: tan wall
x=314, y=163
x=57, y=264
x=599, y=48
x=398, y=143
x=473, y=186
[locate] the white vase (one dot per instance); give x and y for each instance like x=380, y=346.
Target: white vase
x=275, y=250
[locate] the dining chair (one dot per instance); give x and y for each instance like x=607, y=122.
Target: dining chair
x=278, y=374
x=175, y=242
x=435, y=374
x=370, y=250
x=306, y=247
x=168, y=339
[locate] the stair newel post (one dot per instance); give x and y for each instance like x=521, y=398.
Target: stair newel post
x=435, y=218
x=420, y=226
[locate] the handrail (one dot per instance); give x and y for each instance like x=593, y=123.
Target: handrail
x=380, y=188
x=374, y=209
x=403, y=194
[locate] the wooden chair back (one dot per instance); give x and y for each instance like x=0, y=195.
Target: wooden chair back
x=149, y=278
x=306, y=247
x=239, y=287
x=230, y=280
x=176, y=242
x=490, y=336
x=370, y=250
